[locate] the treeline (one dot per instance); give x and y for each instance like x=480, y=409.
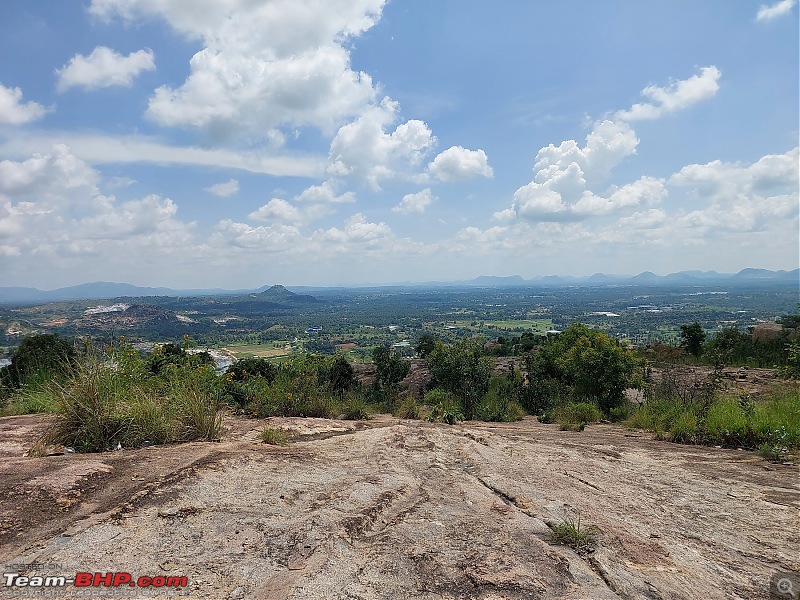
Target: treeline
x=775, y=347
x=111, y=395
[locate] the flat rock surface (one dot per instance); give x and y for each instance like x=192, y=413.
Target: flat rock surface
x=403, y=509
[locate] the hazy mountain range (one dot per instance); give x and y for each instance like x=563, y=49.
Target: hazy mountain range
x=102, y=290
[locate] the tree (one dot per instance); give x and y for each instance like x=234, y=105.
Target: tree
x=580, y=362
x=41, y=357
x=172, y=355
x=463, y=370
x=342, y=376
x=425, y=345
x=692, y=338
x=252, y=367
x=390, y=370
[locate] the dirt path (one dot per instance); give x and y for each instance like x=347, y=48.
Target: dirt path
x=406, y=509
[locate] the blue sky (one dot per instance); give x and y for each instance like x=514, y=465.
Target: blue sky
x=238, y=143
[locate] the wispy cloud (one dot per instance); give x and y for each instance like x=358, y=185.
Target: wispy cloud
x=775, y=11
x=103, y=149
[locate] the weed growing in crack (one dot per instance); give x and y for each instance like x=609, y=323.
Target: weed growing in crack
x=571, y=532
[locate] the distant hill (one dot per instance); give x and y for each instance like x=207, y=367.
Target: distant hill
x=279, y=294
x=495, y=281
x=766, y=275
x=645, y=277
x=104, y=290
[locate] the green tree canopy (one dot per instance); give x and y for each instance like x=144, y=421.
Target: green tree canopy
x=425, y=345
x=692, y=337
x=173, y=355
x=586, y=364
x=252, y=367
x=463, y=370
x=391, y=369
x=342, y=376
x=39, y=357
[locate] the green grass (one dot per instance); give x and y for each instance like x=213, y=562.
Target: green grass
x=408, y=409
x=771, y=424
x=571, y=532
x=104, y=405
x=575, y=416
x=29, y=400
x=355, y=408
x=268, y=350
x=274, y=436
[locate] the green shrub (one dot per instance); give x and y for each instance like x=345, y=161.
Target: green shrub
x=446, y=407
x=196, y=401
x=726, y=422
x=575, y=416
x=777, y=418
x=355, y=408
x=622, y=412
x=772, y=425
x=274, y=436
x=29, y=400
x=685, y=428
x=408, y=409
x=38, y=359
x=498, y=403
x=104, y=405
x=91, y=408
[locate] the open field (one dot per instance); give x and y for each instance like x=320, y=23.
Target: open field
x=405, y=509
x=536, y=325
x=272, y=350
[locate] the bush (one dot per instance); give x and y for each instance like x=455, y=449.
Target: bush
x=446, y=408
x=38, y=359
x=726, y=423
x=274, y=436
x=584, y=362
x=498, y=404
x=105, y=404
x=685, y=429
x=409, y=409
x=355, y=408
x=30, y=400
x=575, y=416
x=245, y=368
x=771, y=425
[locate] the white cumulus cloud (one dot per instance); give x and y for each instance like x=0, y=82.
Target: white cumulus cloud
x=357, y=231
x=366, y=150
x=415, y=203
x=775, y=11
x=276, y=210
x=263, y=64
x=458, y=163
x=563, y=175
x=14, y=112
x=53, y=216
x=678, y=95
x=103, y=68
x=224, y=189
x=325, y=193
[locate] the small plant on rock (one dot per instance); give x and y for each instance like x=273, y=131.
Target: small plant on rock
x=274, y=436
x=571, y=532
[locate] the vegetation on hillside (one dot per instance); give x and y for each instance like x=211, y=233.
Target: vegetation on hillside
x=109, y=396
